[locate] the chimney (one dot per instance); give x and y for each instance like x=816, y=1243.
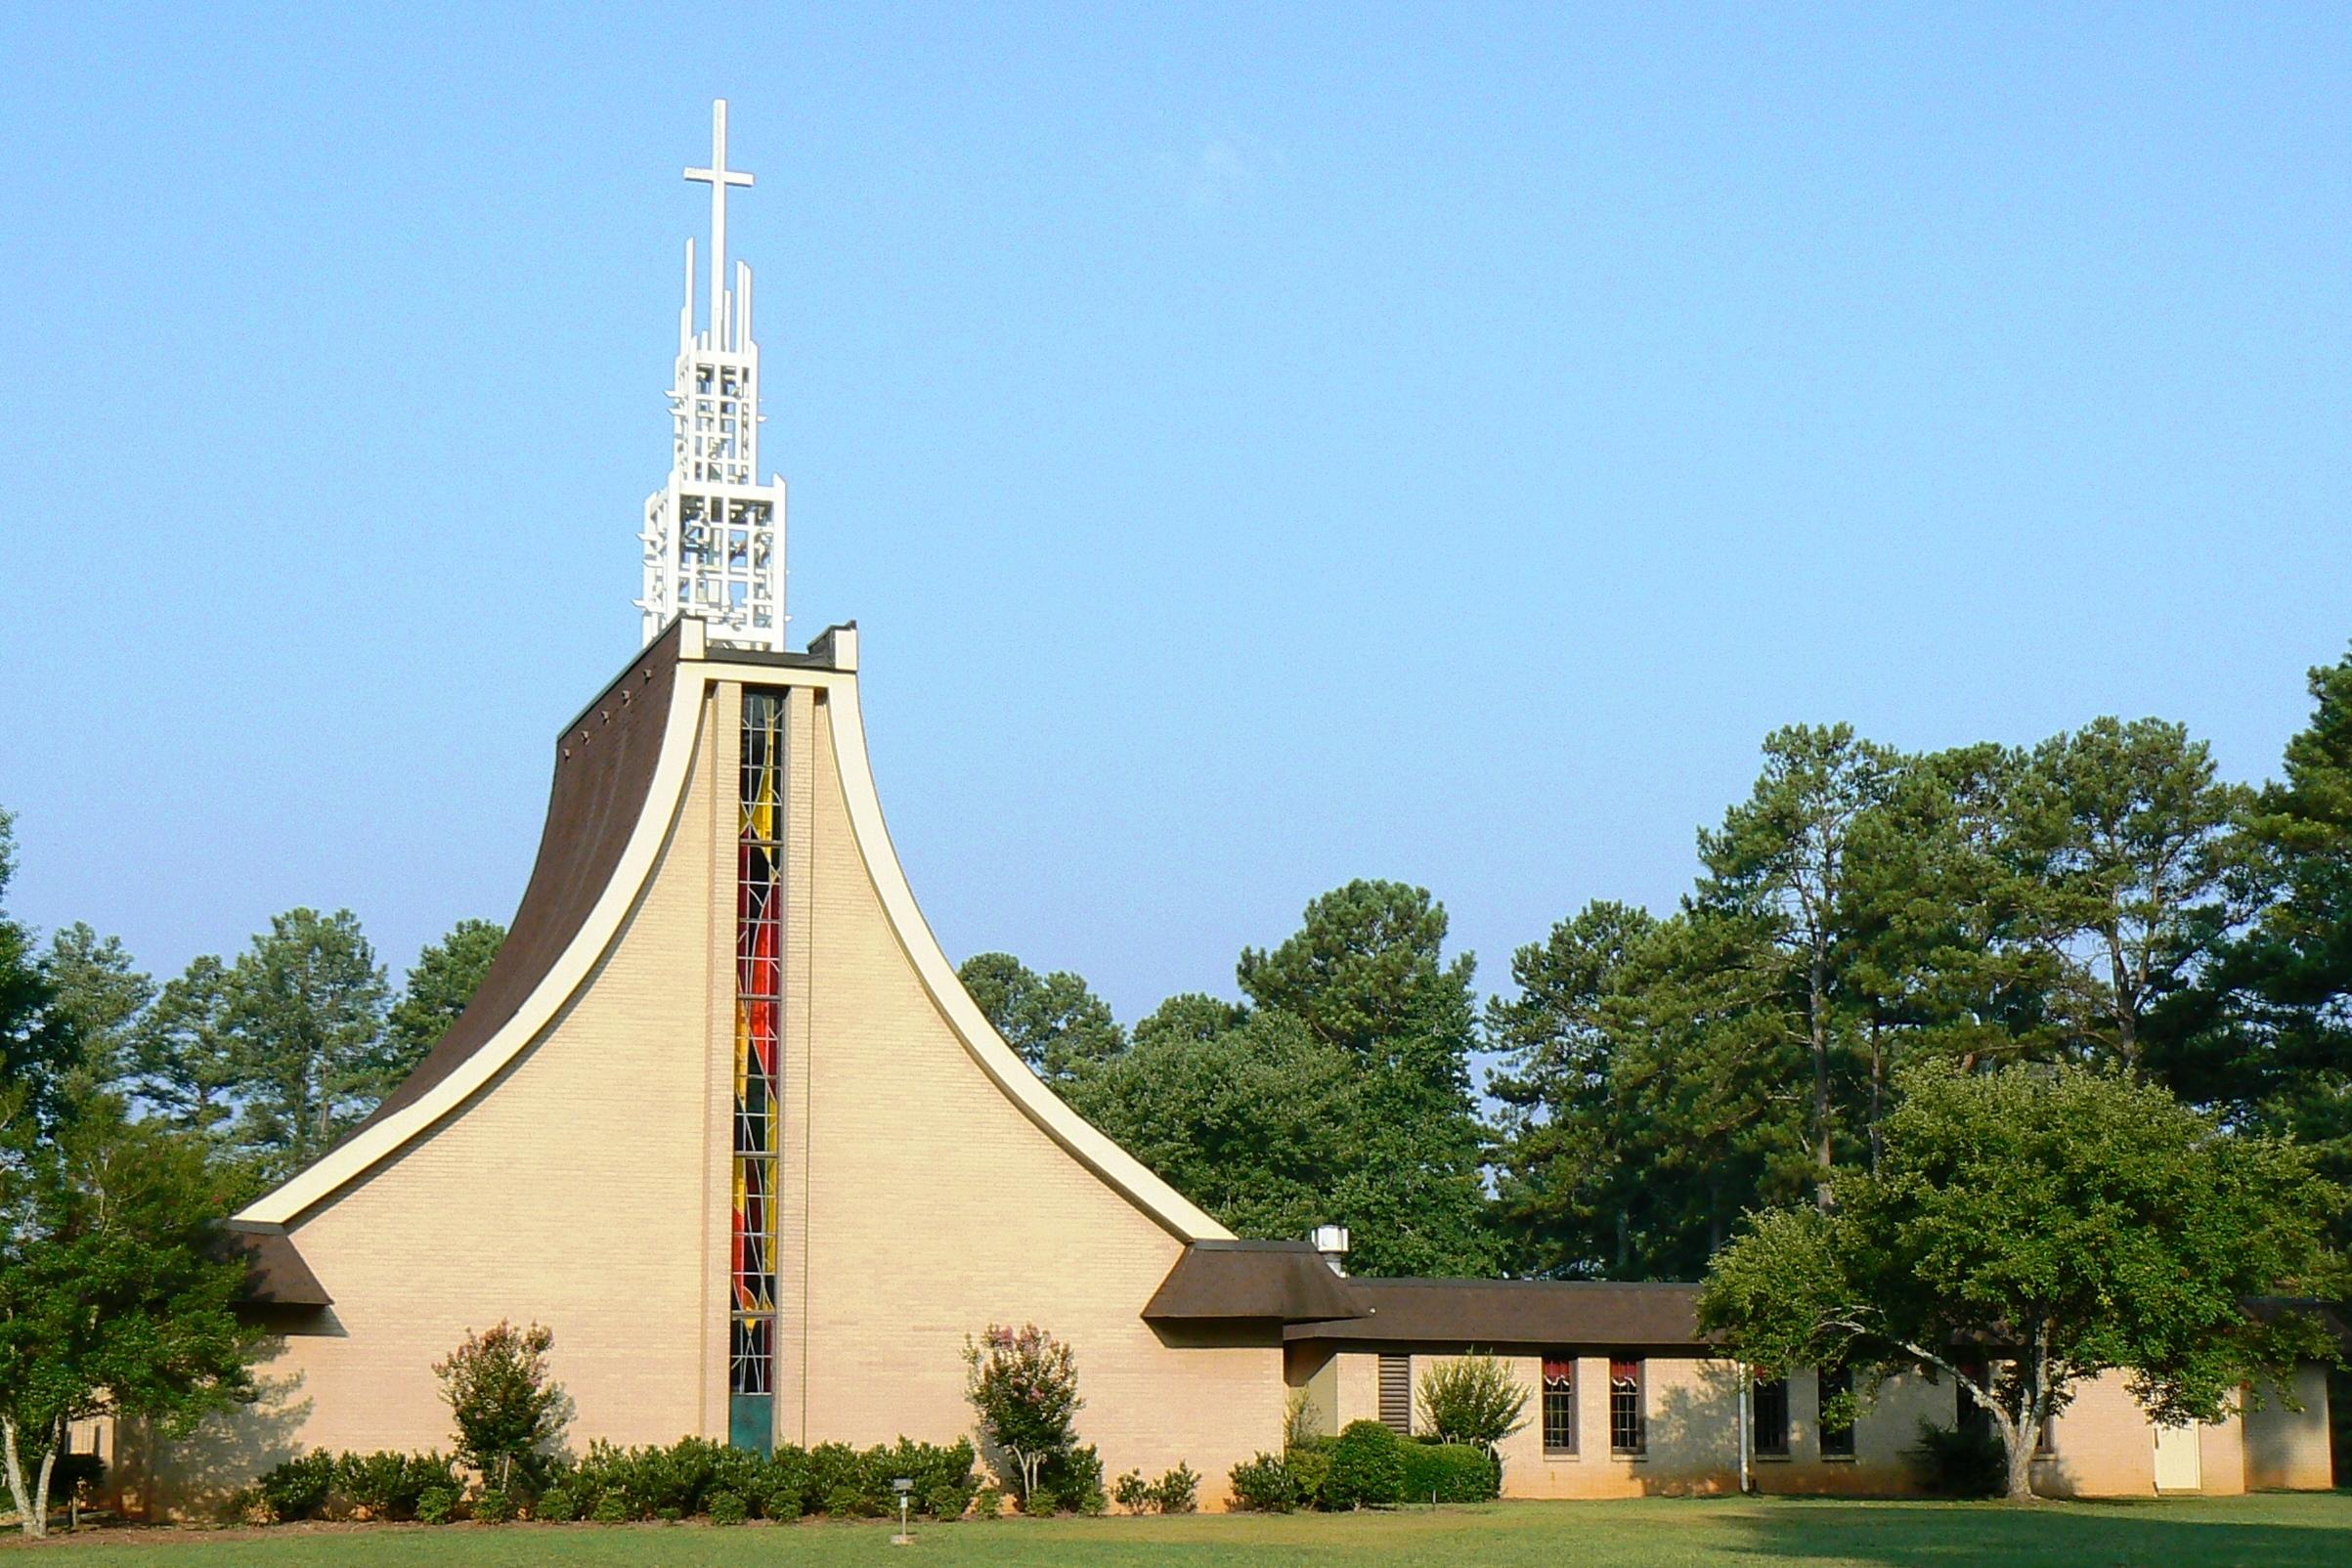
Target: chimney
x=1331, y=1241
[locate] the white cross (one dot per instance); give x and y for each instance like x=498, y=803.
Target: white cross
x=718, y=177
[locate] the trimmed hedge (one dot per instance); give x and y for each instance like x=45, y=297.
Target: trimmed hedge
x=682, y=1479
x=1368, y=1467
x=1450, y=1472
x=1266, y=1484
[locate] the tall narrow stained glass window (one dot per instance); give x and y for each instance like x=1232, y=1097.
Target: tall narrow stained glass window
x=759, y=1032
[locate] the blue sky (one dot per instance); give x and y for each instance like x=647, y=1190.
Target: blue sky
x=1262, y=445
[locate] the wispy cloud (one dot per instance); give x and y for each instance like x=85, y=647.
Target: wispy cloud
x=1224, y=168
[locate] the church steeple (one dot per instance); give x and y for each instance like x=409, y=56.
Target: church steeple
x=714, y=538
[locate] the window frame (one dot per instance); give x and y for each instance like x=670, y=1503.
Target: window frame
x=1561, y=1398
x=1635, y=1412
x=1759, y=1445
x=1838, y=1442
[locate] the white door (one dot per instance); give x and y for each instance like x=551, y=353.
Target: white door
x=2179, y=1467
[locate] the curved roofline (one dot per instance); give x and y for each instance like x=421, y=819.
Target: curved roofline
x=397, y=1124
x=457, y=1073
x=1175, y=1213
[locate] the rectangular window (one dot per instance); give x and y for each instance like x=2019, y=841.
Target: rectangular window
x=1836, y=1442
x=1626, y=1435
x=1396, y=1394
x=1771, y=1404
x=1559, y=1405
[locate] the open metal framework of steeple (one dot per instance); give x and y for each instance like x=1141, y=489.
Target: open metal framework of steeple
x=715, y=535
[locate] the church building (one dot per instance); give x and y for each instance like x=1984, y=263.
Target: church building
x=722, y=1117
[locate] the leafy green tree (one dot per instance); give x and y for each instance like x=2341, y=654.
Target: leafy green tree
x=188, y=1065
x=2268, y=1036
x=112, y=1298
x=39, y=1047
x=2126, y=831
x=2075, y=1221
x=441, y=985
x=100, y=999
x=1366, y=975
x=1566, y=1174
x=1782, y=860
x=1059, y=1026
x=304, y=1007
x=1255, y=1123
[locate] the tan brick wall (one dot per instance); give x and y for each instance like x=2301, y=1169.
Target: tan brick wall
x=2288, y=1449
x=573, y=1191
x=936, y=1206
x=2102, y=1446
x=588, y=1188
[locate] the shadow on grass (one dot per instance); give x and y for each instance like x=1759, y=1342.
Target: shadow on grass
x=2281, y=1533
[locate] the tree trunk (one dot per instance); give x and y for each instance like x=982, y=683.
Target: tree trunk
x=1822, y=1193
x=2021, y=1461
x=33, y=1522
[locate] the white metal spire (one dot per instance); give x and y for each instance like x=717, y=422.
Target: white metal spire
x=714, y=538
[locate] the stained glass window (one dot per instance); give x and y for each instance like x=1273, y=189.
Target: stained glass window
x=758, y=1036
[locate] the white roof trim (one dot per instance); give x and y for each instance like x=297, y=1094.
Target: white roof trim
x=347, y=1162
x=1169, y=1208
x=368, y=1148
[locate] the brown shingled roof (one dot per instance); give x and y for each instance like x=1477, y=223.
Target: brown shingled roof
x=604, y=765
x=276, y=1276
x=1498, y=1313
x=1223, y=1281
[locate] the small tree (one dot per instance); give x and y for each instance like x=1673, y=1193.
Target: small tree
x=510, y=1416
x=1472, y=1399
x=1023, y=1386
x=2065, y=1221
x=113, y=1300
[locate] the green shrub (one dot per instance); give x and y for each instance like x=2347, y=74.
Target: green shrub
x=298, y=1488
x=438, y=1504
x=851, y=1502
x=1450, y=1472
x=1472, y=1399
x=670, y=1513
x=945, y=1502
x=558, y=1505
x=1955, y=1462
x=835, y=1473
x=611, y=1508
x=1133, y=1492
x=1041, y=1504
x=987, y=1504
x=935, y=1471
x=1266, y=1484
x=509, y=1414
x=1177, y=1492
x=1368, y=1467
x=1074, y=1476
x=782, y=1487
x=1311, y=1463
x=727, y=1508
x=387, y=1483
x=494, y=1506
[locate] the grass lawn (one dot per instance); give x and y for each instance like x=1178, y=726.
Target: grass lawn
x=2277, y=1530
